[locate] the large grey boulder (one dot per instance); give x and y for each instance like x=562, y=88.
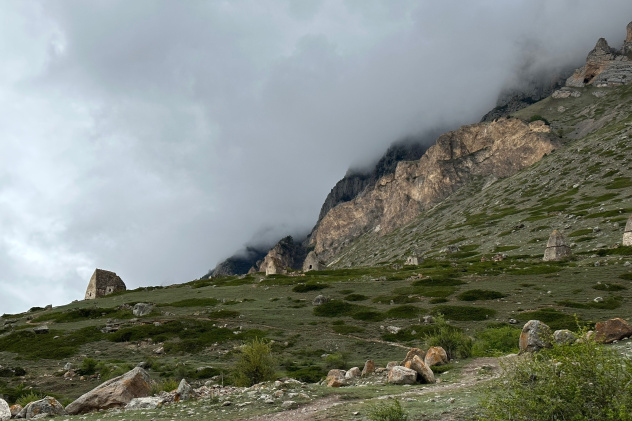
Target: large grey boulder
x=319, y=300
x=556, y=247
x=150, y=402
x=402, y=375
x=114, y=393
x=564, y=337
x=535, y=336
x=5, y=411
x=48, y=406
x=184, y=391
x=142, y=309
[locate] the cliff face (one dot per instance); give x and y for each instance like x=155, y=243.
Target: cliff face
x=238, y=264
x=500, y=148
x=285, y=254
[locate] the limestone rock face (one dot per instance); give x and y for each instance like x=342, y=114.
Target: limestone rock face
x=500, y=148
x=436, y=355
x=5, y=411
x=535, y=336
x=285, y=254
x=424, y=372
x=556, y=247
x=102, y=283
x=627, y=235
x=605, y=66
x=402, y=375
x=48, y=406
x=116, y=392
x=612, y=330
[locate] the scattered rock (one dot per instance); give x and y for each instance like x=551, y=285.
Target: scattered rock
x=42, y=329
x=149, y=402
x=535, y=336
x=428, y=320
x=114, y=393
x=142, y=309
x=159, y=351
x=627, y=235
x=393, y=329
x=48, y=406
x=5, y=411
x=68, y=366
x=15, y=410
x=424, y=372
x=184, y=391
x=319, y=300
x=598, y=299
x=336, y=378
x=564, y=337
x=353, y=372
x=402, y=375
x=411, y=353
x=288, y=405
x=436, y=355
x=612, y=330
x=391, y=364
x=369, y=368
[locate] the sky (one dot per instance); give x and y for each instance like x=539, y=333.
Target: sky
x=156, y=138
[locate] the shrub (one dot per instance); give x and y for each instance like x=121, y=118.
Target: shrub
x=609, y=287
x=255, y=364
x=27, y=398
x=538, y=117
x=452, y=339
x=584, y=381
x=404, y=312
x=553, y=318
x=462, y=313
x=311, y=374
x=387, y=411
x=165, y=385
x=356, y=297
x=336, y=360
x=479, y=294
x=88, y=366
x=335, y=308
x=310, y=286
x=496, y=341
x=369, y=316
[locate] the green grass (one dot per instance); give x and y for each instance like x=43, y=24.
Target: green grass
x=609, y=287
x=192, y=302
x=32, y=346
x=553, y=318
x=404, y=312
x=463, y=313
x=308, y=287
x=480, y=294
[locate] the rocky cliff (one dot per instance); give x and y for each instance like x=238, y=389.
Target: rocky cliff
x=496, y=149
x=287, y=253
x=240, y=263
x=605, y=66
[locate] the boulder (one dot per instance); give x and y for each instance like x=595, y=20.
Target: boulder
x=150, y=402
x=142, y=309
x=352, y=373
x=391, y=364
x=556, y=247
x=48, y=406
x=436, y=355
x=15, y=410
x=411, y=353
x=612, y=330
x=41, y=329
x=424, y=372
x=320, y=299
x=402, y=375
x=336, y=378
x=369, y=368
x=114, y=393
x=5, y=411
x=184, y=391
x=627, y=234
x=535, y=336
x=564, y=337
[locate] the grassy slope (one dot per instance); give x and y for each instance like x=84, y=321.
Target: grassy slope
x=577, y=188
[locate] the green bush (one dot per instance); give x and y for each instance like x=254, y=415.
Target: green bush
x=347, y=329
x=356, y=297
x=336, y=360
x=452, y=339
x=395, y=299
x=369, y=316
x=553, y=318
x=538, y=117
x=387, y=411
x=462, y=313
x=404, y=312
x=88, y=366
x=255, y=364
x=310, y=286
x=311, y=374
x=479, y=294
x=609, y=287
x=335, y=308
x=29, y=397
x=165, y=385
x=496, y=341
x=585, y=381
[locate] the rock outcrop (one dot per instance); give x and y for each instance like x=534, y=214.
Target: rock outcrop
x=48, y=406
x=114, y=393
x=402, y=375
x=102, y=283
x=436, y=355
x=500, y=149
x=142, y=309
x=535, y=335
x=285, y=254
x=424, y=373
x=605, y=66
x=240, y=263
x=556, y=247
x=627, y=234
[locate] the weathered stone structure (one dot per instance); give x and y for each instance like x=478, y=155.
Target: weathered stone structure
x=605, y=66
x=312, y=262
x=556, y=247
x=102, y=283
x=627, y=235
x=413, y=260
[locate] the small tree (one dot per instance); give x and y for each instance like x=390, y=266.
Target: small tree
x=452, y=339
x=256, y=363
x=387, y=411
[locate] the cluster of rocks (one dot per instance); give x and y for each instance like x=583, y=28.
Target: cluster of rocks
x=536, y=335
x=414, y=368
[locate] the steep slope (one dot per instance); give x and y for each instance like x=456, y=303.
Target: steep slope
x=240, y=263
x=286, y=254
x=496, y=149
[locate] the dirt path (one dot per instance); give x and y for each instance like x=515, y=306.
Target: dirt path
x=477, y=371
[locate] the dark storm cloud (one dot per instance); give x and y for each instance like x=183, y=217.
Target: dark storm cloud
x=154, y=138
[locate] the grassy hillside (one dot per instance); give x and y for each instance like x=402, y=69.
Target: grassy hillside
x=584, y=189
